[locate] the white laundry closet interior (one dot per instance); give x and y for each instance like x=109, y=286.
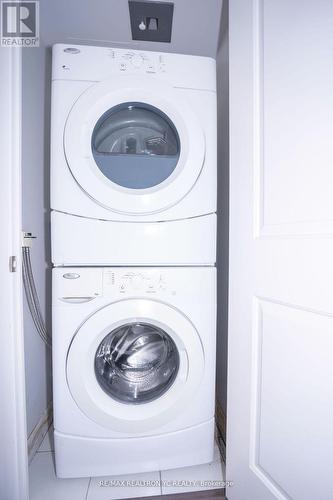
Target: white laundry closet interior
x=274, y=345
x=72, y=26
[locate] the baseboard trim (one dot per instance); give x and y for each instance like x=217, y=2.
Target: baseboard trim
x=194, y=495
x=220, y=420
x=38, y=433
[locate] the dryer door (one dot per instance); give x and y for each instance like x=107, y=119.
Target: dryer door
x=133, y=365
x=135, y=148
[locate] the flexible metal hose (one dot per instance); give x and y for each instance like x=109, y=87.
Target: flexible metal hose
x=32, y=297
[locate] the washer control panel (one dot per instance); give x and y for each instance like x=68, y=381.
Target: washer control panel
x=134, y=282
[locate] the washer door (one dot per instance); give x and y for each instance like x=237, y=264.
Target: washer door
x=134, y=148
x=133, y=365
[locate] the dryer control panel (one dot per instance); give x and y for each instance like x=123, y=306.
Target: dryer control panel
x=94, y=64
x=137, y=62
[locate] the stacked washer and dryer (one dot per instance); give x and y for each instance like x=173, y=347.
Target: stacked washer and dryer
x=133, y=198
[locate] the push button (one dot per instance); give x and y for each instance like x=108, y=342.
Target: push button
x=151, y=68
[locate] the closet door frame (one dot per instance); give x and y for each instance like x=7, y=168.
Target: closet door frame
x=13, y=431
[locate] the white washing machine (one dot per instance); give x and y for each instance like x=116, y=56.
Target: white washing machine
x=133, y=157
x=133, y=369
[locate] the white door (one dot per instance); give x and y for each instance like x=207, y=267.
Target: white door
x=134, y=146
x=280, y=406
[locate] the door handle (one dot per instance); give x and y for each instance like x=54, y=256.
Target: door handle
x=183, y=368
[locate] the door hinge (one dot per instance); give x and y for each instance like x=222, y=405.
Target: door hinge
x=12, y=264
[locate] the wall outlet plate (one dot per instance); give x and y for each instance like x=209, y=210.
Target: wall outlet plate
x=151, y=21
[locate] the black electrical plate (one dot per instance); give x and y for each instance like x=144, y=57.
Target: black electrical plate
x=144, y=12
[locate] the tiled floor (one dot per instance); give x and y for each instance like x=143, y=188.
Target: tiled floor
x=45, y=485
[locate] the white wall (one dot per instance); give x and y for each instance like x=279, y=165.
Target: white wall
x=222, y=61
x=106, y=22
x=35, y=167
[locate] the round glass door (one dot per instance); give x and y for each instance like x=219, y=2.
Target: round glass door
x=135, y=145
x=135, y=375
x=136, y=149
x=136, y=363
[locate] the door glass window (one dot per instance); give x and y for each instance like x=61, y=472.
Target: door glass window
x=135, y=145
x=136, y=363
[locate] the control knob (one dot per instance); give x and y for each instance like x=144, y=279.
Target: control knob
x=137, y=61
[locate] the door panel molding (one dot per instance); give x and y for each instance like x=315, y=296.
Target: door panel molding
x=296, y=207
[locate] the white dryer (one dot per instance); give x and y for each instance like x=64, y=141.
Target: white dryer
x=133, y=157
x=133, y=369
